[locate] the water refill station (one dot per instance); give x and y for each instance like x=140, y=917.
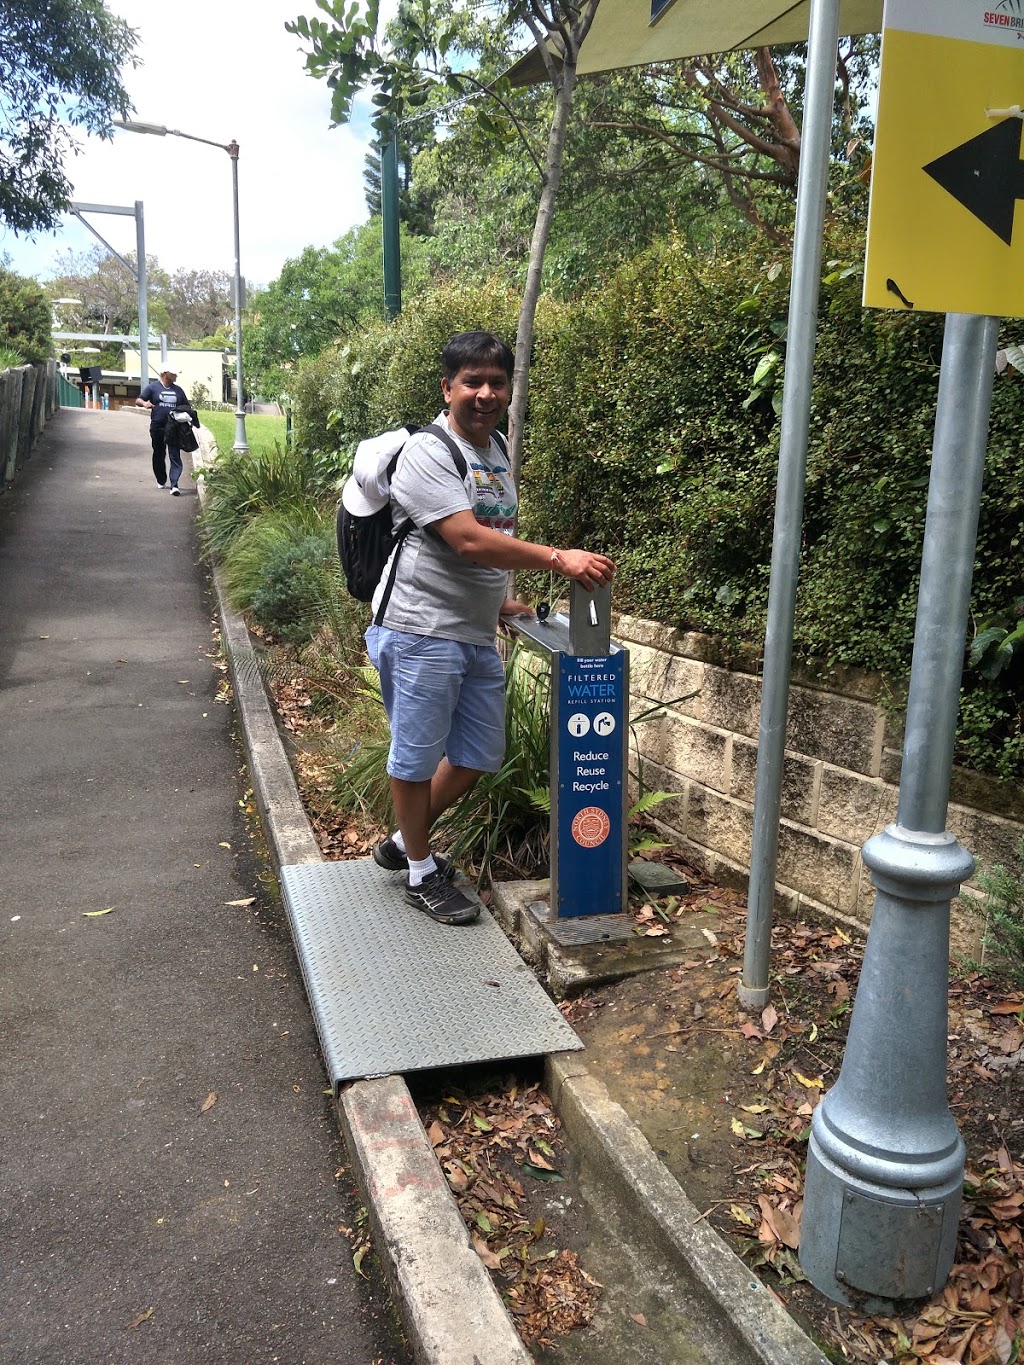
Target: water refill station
x=589, y=783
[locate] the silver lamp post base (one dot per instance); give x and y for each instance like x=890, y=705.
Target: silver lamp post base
x=886, y=1162
x=241, y=443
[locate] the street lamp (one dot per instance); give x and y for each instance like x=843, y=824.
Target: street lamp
x=158, y=130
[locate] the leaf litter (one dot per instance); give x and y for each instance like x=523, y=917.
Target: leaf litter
x=498, y=1150
x=776, y=1073
x=781, y=1065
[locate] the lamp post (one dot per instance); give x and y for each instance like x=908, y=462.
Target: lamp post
x=158, y=130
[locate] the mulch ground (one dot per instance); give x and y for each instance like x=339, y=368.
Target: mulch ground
x=756, y=1106
x=501, y=1151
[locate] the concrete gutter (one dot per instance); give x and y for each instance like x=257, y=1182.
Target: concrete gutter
x=450, y=1309
x=744, y=1315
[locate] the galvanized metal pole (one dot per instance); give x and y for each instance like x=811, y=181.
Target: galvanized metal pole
x=885, y=1165
x=812, y=187
x=142, y=279
x=241, y=444
x=389, y=225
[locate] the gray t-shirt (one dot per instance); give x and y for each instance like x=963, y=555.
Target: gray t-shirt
x=436, y=592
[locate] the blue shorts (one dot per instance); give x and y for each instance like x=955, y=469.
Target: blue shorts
x=443, y=698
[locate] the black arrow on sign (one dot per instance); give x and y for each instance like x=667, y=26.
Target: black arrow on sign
x=986, y=175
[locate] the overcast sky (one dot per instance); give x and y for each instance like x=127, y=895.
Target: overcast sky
x=218, y=69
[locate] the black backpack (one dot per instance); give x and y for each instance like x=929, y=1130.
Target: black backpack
x=365, y=543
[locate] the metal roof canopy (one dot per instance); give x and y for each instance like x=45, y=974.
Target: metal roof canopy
x=624, y=35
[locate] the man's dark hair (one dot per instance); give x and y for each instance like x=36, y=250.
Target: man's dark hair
x=475, y=348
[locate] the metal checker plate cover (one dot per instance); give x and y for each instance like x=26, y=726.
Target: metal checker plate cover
x=392, y=991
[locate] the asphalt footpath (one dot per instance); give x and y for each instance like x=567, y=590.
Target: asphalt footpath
x=172, y=1184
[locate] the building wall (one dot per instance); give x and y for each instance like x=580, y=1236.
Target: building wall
x=840, y=776
x=192, y=367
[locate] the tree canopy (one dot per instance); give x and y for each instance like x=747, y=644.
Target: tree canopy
x=108, y=294
x=319, y=298
x=60, y=70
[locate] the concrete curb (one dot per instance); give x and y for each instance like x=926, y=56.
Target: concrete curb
x=658, y=1213
x=450, y=1309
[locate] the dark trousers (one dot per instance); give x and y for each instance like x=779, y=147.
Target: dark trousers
x=162, y=452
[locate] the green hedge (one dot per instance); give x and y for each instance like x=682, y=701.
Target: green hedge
x=388, y=375
x=653, y=434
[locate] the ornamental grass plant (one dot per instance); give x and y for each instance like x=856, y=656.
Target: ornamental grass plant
x=500, y=827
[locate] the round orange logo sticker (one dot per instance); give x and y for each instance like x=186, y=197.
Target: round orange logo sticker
x=591, y=827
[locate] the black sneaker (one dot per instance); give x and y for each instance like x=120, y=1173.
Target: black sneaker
x=389, y=856
x=441, y=901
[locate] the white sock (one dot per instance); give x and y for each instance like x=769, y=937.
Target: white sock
x=420, y=871
x=398, y=841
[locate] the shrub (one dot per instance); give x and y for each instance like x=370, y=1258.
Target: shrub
x=243, y=484
x=24, y=318
x=653, y=433
x=1004, y=924
x=293, y=581
x=390, y=374
x=645, y=400
x=268, y=533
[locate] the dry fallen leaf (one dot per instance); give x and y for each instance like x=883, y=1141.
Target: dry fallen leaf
x=639, y=1318
x=247, y=901
x=209, y=1102
x=486, y=1255
x=92, y=914
x=769, y=1018
x=144, y=1316
x=812, y=1084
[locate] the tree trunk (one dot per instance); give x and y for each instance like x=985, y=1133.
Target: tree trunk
x=538, y=245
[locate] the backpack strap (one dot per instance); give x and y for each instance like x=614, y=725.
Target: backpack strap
x=408, y=525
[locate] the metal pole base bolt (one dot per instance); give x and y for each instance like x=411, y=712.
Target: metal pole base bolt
x=885, y=1163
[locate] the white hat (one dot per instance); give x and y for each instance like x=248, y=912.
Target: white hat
x=367, y=490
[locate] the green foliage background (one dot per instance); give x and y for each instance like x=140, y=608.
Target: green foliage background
x=24, y=318
x=649, y=438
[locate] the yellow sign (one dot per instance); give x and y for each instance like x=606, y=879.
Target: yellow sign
x=943, y=232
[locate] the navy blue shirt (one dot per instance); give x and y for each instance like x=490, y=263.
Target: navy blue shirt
x=165, y=398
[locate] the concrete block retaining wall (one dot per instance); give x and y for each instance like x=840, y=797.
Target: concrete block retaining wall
x=28, y=398
x=840, y=776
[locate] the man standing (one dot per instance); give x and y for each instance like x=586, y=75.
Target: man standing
x=162, y=397
x=442, y=679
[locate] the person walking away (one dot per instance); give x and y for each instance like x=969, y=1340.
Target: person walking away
x=433, y=640
x=162, y=396
x=179, y=436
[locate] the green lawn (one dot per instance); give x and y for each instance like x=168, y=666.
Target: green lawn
x=261, y=429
